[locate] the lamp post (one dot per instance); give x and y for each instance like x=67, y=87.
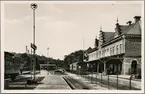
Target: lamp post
x=47, y=60
x=34, y=7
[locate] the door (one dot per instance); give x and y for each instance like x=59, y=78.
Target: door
x=134, y=67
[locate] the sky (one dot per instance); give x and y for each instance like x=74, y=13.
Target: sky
x=62, y=26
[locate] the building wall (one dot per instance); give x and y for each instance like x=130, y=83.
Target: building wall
x=133, y=47
x=92, y=56
x=127, y=64
x=70, y=67
x=130, y=46
x=132, y=52
x=73, y=67
x=110, y=50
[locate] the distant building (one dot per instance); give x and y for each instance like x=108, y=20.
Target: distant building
x=74, y=66
x=47, y=66
x=119, y=51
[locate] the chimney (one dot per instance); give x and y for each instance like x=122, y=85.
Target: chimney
x=137, y=18
x=129, y=23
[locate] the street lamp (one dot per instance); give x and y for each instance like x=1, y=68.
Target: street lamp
x=34, y=7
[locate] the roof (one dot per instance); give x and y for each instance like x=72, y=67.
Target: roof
x=92, y=50
x=89, y=50
x=108, y=36
x=134, y=29
x=123, y=27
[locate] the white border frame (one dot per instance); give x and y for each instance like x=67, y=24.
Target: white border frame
x=69, y=91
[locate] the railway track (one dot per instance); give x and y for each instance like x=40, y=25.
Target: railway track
x=75, y=84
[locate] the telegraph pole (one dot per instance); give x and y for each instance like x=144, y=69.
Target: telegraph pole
x=26, y=49
x=83, y=49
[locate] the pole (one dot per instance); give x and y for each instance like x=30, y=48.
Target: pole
x=34, y=28
x=130, y=80
x=79, y=72
x=117, y=80
x=34, y=6
x=26, y=49
x=92, y=75
x=101, y=77
x=47, y=52
x=96, y=77
x=31, y=64
x=108, y=81
x=83, y=49
x=98, y=69
x=34, y=63
x=83, y=58
x=117, y=76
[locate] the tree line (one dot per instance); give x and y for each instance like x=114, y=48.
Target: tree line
x=76, y=56
x=26, y=59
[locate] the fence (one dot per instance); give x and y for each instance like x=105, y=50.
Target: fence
x=109, y=81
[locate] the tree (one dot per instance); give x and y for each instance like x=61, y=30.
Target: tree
x=73, y=57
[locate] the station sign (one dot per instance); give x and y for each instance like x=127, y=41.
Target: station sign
x=33, y=46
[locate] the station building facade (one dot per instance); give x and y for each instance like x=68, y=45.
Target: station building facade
x=117, y=52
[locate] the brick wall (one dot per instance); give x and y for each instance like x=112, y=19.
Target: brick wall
x=133, y=47
x=127, y=61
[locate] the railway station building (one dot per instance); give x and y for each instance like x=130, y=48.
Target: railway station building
x=117, y=52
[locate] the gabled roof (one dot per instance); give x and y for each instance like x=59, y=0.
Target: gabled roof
x=135, y=29
x=123, y=28
x=108, y=36
x=91, y=50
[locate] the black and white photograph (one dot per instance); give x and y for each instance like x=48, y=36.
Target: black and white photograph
x=72, y=47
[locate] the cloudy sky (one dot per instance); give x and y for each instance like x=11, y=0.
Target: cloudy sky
x=62, y=26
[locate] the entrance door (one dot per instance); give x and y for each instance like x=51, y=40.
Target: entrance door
x=134, y=67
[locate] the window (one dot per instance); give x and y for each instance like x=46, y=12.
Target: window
x=105, y=52
x=99, y=53
x=121, y=48
x=117, y=49
x=102, y=52
x=96, y=54
x=110, y=51
x=113, y=50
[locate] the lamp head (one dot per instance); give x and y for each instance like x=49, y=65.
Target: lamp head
x=34, y=6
